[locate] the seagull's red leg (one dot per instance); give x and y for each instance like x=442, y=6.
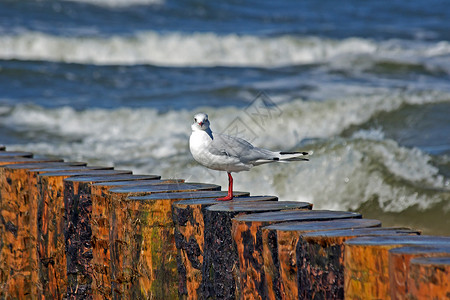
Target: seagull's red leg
x=230, y=189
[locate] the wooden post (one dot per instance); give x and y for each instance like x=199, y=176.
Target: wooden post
x=152, y=241
x=366, y=263
x=188, y=218
x=247, y=234
x=221, y=266
x=429, y=278
x=25, y=160
x=280, y=251
x=6, y=154
x=18, y=215
x=320, y=260
x=101, y=210
x=50, y=223
x=399, y=266
x=123, y=212
x=78, y=230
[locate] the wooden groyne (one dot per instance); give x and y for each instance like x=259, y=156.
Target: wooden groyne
x=73, y=231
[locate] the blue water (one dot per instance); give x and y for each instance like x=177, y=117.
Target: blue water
x=363, y=86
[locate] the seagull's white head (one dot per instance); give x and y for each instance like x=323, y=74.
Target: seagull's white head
x=201, y=122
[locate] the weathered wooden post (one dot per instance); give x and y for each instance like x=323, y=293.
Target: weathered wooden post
x=366, y=263
x=188, y=217
x=50, y=223
x=18, y=214
x=78, y=229
x=247, y=233
x=6, y=154
x=400, y=264
x=155, y=274
x=220, y=272
x=320, y=260
x=101, y=210
x=154, y=236
x=280, y=251
x=25, y=160
x=429, y=278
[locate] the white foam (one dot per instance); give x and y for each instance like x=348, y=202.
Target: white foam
x=210, y=49
x=162, y=132
x=342, y=174
x=353, y=172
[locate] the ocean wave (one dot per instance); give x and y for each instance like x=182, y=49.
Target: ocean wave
x=210, y=49
x=344, y=171
x=119, y=3
x=297, y=120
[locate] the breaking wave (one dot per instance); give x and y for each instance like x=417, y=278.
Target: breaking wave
x=343, y=173
x=210, y=49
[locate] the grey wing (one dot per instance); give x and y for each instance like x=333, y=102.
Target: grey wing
x=236, y=147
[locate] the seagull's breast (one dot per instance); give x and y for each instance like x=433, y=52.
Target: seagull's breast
x=203, y=151
x=198, y=142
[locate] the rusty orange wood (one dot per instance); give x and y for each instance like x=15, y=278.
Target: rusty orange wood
x=280, y=242
x=247, y=234
x=101, y=209
x=19, y=218
x=80, y=234
x=429, y=278
x=366, y=263
x=221, y=260
x=120, y=238
x=188, y=218
x=320, y=258
x=50, y=242
x=399, y=266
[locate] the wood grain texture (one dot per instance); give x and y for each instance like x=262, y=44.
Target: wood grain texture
x=280, y=251
x=78, y=227
x=188, y=217
x=429, y=278
x=366, y=263
x=101, y=246
x=50, y=224
x=400, y=266
x=124, y=216
x=226, y=247
x=320, y=260
x=247, y=233
x=18, y=217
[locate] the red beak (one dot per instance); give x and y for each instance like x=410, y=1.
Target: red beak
x=200, y=123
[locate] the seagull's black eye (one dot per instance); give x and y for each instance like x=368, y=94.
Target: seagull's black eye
x=195, y=120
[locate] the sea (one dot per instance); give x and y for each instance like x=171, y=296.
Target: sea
x=362, y=86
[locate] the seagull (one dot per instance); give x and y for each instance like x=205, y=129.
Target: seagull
x=231, y=154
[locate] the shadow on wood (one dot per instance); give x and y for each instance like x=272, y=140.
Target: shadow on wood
x=221, y=271
x=320, y=260
x=280, y=251
x=188, y=216
x=142, y=269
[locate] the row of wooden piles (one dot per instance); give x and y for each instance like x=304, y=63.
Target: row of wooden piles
x=74, y=231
